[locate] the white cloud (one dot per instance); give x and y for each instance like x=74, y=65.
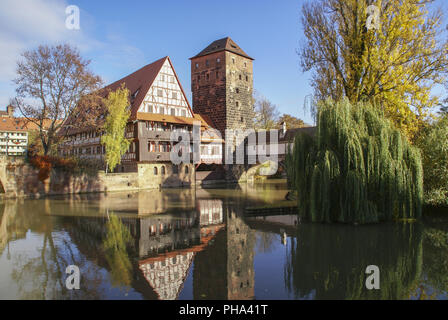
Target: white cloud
x=25, y=24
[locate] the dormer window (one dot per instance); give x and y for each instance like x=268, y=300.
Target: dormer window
x=135, y=93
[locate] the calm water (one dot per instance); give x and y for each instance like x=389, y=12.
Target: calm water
x=204, y=244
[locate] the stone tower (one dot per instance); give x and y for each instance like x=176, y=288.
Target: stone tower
x=222, y=85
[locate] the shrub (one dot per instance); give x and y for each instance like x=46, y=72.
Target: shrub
x=433, y=142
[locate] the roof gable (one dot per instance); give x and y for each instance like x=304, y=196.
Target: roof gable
x=225, y=44
x=138, y=84
x=172, y=96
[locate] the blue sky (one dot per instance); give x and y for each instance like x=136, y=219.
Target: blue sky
x=119, y=37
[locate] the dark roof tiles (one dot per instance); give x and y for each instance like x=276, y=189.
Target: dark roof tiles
x=226, y=44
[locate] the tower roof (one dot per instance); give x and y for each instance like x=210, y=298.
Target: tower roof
x=226, y=44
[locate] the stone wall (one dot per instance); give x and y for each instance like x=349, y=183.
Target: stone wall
x=22, y=180
x=223, y=90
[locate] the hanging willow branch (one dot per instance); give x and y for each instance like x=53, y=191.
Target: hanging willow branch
x=357, y=169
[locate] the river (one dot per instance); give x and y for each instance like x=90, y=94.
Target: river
x=214, y=243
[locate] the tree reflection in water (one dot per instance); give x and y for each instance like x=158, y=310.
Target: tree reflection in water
x=329, y=261
x=115, y=244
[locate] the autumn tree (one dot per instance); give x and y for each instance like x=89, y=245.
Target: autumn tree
x=393, y=64
x=291, y=122
x=266, y=113
x=113, y=137
x=50, y=81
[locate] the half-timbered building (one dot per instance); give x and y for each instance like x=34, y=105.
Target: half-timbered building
x=158, y=105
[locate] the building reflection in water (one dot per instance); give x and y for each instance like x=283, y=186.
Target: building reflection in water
x=219, y=243
x=171, y=242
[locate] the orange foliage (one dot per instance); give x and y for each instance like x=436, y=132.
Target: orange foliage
x=46, y=163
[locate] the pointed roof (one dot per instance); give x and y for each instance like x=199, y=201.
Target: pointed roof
x=139, y=82
x=226, y=44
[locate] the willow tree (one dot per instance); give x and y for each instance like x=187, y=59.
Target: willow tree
x=395, y=62
x=358, y=168
x=113, y=138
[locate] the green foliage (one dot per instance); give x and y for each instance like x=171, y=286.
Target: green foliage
x=337, y=256
x=291, y=122
x=357, y=169
x=435, y=258
x=433, y=142
x=114, y=138
x=115, y=245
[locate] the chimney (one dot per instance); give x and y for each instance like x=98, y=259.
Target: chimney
x=10, y=111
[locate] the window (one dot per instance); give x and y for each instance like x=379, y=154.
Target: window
x=173, y=111
x=217, y=74
x=237, y=90
x=150, y=109
x=160, y=93
x=151, y=146
x=206, y=63
x=199, y=77
x=175, y=169
x=184, y=113
x=161, y=110
x=218, y=60
x=162, y=77
x=233, y=60
x=237, y=104
x=207, y=76
x=240, y=77
x=247, y=78
x=155, y=171
x=242, y=119
x=172, y=79
x=245, y=64
x=197, y=65
x=163, y=170
x=174, y=95
x=186, y=169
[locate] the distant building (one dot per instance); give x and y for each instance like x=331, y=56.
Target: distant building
x=13, y=137
x=14, y=132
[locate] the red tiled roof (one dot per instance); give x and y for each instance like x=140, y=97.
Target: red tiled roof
x=226, y=44
x=21, y=124
x=140, y=80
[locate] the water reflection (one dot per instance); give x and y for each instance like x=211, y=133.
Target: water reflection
x=201, y=244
